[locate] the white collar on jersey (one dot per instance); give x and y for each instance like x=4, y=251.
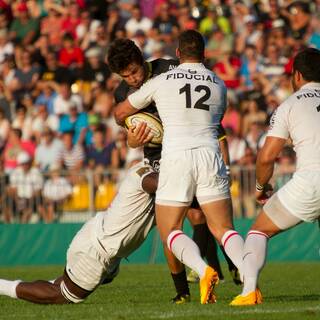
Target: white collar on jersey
x=188, y=65
x=311, y=85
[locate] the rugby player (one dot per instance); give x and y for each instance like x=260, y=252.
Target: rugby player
x=95, y=252
x=298, y=117
x=126, y=59
x=191, y=160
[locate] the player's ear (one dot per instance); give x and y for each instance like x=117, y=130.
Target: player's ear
x=178, y=53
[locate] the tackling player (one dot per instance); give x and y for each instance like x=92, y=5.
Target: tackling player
x=95, y=252
x=298, y=117
x=191, y=102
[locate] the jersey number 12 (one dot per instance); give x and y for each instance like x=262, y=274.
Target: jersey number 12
x=200, y=104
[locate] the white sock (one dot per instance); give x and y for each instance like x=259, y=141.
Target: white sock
x=233, y=246
x=8, y=288
x=254, y=257
x=186, y=250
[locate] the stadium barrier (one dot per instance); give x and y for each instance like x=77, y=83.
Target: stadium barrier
x=91, y=191
x=46, y=244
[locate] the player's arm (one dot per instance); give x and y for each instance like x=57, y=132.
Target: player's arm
x=150, y=182
x=275, y=141
x=123, y=110
x=136, y=101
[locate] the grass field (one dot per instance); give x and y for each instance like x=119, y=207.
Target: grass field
x=291, y=291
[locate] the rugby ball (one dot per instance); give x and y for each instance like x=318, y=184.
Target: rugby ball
x=153, y=123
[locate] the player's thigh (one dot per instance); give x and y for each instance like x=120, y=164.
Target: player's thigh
x=274, y=217
x=212, y=182
x=196, y=216
x=176, y=181
x=301, y=195
x=219, y=216
x=86, y=267
x=169, y=218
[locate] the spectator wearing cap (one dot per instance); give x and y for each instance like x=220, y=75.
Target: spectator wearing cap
x=51, y=25
x=48, y=150
x=72, y=156
x=56, y=191
x=137, y=22
x=25, y=187
x=70, y=55
x=66, y=99
x=252, y=34
x=6, y=46
x=77, y=122
x=23, y=28
x=95, y=69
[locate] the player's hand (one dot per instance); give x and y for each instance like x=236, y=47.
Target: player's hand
x=263, y=196
x=139, y=135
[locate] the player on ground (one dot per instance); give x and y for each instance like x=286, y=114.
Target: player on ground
x=126, y=59
x=95, y=252
x=191, y=101
x=298, y=117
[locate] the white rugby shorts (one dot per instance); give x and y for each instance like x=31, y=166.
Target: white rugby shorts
x=196, y=172
x=300, y=197
x=87, y=267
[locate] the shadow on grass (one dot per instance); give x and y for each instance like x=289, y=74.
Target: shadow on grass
x=285, y=298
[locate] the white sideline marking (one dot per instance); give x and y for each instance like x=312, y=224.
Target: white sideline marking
x=232, y=310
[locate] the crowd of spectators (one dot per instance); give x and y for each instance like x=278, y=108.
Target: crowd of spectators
x=56, y=90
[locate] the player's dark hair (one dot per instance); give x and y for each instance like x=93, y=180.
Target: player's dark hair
x=191, y=45
x=122, y=53
x=307, y=62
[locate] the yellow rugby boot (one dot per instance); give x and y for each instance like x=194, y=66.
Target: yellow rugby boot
x=253, y=298
x=207, y=284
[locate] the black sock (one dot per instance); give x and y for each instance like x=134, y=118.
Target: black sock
x=231, y=266
x=212, y=254
x=180, y=282
x=200, y=237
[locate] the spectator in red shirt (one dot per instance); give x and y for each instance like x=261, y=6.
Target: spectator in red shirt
x=72, y=19
x=13, y=147
x=228, y=70
x=70, y=55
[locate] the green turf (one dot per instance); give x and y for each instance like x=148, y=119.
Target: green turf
x=291, y=291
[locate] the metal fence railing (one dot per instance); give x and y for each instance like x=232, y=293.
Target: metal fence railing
x=76, y=196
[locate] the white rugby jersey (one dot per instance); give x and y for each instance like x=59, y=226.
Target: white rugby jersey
x=191, y=101
x=130, y=217
x=298, y=117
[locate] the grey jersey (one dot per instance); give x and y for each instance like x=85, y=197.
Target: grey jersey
x=191, y=101
x=125, y=225
x=298, y=118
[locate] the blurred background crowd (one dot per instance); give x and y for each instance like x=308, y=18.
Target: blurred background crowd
x=60, y=147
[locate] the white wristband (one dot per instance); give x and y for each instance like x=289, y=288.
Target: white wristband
x=259, y=187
